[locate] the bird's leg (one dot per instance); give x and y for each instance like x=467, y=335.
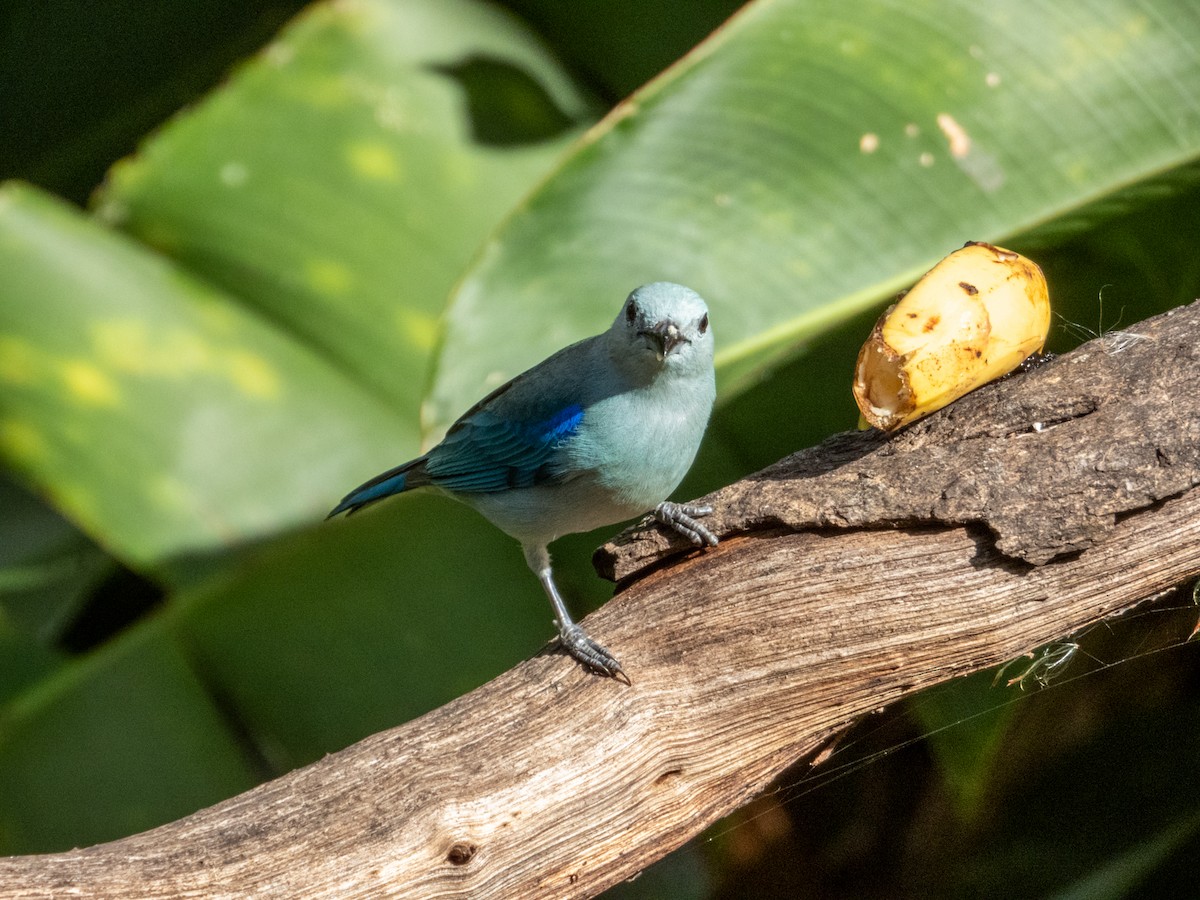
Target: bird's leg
x=681, y=517
x=572, y=635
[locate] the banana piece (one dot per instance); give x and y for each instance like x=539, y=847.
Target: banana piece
x=976, y=315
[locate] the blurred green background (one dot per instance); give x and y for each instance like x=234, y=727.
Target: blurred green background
x=254, y=253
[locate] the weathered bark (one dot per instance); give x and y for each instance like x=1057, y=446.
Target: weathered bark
x=550, y=782
x=1047, y=461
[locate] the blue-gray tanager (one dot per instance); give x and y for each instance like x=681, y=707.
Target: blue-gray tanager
x=598, y=433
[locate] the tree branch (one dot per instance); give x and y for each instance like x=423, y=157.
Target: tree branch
x=549, y=782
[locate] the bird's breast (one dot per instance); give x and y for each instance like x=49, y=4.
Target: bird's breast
x=639, y=448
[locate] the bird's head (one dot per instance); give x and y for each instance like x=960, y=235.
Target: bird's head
x=665, y=325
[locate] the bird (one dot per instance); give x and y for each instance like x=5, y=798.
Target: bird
x=598, y=433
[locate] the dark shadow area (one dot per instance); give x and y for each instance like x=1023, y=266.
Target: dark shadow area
x=119, y=601
x=506, y=105
x=1085, y=785
x=83, y=85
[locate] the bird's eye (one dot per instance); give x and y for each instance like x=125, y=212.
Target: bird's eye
x=704, y=323
x=630, y=312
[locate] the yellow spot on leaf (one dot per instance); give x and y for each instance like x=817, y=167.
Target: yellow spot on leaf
x=89, y=384
x=329, y=92
x=121, y=343
x=329, y=277
x=170, y=493
x=182, y=352
x=21, y=440
x=18, y=361
x=253, y=375
x=420, y=329
x=374, y=160
x=128, y=345
x=801, y=267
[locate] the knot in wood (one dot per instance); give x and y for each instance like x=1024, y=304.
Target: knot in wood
x=461, y=853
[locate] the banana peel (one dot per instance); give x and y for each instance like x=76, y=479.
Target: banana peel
x=975, y=316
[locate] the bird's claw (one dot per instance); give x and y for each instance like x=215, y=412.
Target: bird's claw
x=681, y=517
x=590, y=653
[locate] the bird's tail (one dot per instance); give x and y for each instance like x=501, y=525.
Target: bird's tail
x=393, y=481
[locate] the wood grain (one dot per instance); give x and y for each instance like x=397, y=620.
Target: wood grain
x=550, y=782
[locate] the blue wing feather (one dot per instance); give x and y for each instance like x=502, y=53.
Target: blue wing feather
x=393, y=481
x=485, y=452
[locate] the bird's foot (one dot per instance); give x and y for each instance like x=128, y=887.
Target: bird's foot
x=681, y=517
x=590, y=653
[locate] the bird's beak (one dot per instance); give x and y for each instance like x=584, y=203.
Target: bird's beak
x=666, y=336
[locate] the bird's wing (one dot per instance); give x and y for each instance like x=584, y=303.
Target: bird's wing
x=487, y=450
x=393, y=481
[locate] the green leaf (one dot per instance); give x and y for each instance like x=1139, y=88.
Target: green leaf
x=111, y=745
x=345, y=177
x=683, y=875
x=1097, y=791
x=47, y=566
x=965, y=722
x=812, y=157
x=150, y=407
x=24, y=661
x=327, y=636
x=1119, y=876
